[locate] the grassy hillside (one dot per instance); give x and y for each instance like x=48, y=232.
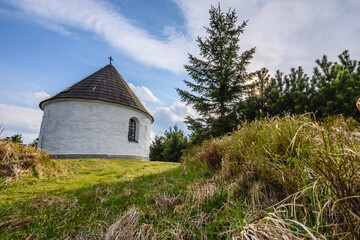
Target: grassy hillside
x=291, y=178
x=288, y=178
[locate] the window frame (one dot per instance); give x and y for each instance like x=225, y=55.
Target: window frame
x=133, y=130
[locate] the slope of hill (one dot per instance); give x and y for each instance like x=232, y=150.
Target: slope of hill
x=289, y=177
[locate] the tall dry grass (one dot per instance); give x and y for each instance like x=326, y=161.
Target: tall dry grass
x=18, y=159
x=303, y=176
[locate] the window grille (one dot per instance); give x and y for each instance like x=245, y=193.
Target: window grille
x=132, y=130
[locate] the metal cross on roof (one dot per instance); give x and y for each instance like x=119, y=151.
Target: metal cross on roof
x=111, y=59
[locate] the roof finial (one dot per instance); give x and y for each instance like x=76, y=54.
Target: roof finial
x=111, y=59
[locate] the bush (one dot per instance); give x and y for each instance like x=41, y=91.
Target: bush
x=34, y=143
x=16, y=138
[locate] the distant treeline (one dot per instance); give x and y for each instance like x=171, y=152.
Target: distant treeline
x=332, y=89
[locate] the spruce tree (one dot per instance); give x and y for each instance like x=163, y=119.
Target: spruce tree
x=175, y=143
x=170, y=147
x=337, y=85
x=219, y=76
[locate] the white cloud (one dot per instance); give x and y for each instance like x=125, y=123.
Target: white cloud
x=23, y=115
x=28, y=99
x=144, y=93
x=56, y=27
x=24, y=120
x=152, y=136
x=101, y=18
x=175, y=113
x=196, y=14
x=166, y=117
x=286, y=33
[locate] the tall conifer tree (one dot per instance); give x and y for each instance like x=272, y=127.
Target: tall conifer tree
x=219, y=76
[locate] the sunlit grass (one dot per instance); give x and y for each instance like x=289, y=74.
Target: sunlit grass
x=79, y=174
x=85, y=199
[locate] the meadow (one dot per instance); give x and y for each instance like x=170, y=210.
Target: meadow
x=82, y=200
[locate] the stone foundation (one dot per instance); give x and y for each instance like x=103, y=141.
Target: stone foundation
x=114, y=157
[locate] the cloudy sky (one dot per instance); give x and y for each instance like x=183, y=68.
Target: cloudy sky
x=48, y=45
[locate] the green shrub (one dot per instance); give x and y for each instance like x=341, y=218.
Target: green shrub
x=157, y=148
x=16, y=138
x=170, y=147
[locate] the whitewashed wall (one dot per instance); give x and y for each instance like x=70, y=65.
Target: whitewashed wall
x=90, y=127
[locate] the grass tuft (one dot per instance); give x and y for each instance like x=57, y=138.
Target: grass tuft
x=129, y=227
x=17, y=159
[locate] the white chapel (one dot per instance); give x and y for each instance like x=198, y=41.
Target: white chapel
x=98, y=117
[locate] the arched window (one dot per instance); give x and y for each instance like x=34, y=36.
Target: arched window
x=132, y=130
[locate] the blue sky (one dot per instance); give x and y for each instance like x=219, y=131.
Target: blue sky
x=48, y=45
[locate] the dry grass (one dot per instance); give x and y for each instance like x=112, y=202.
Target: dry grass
x=304, y=174
x=15, y=222
x=49, y=201
x=203, y=189
x=129, y=227
x=166, y=202
x=17, y=159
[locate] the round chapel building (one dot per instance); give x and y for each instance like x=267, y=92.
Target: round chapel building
x=98, y=117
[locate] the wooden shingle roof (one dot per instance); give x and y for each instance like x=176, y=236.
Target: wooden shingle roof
x=105, y=85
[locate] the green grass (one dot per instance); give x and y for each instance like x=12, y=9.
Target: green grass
x=287, y=177
x=83, y=173
x=86, y=199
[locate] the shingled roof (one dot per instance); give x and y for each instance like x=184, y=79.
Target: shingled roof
x=106, y=85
